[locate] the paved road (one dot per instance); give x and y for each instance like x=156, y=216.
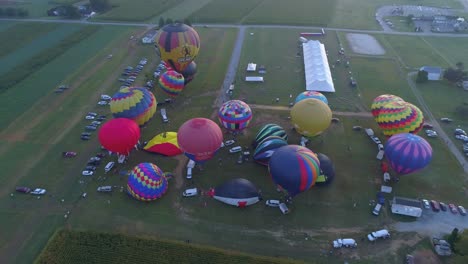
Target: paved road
x=285, y=108
x=452, y=35
x=429, y=117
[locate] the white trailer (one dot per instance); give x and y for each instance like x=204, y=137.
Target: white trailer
x=344, y=242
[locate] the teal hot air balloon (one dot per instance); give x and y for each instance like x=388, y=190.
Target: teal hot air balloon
x=267, y=148
x=269, y=130
x=311, y=94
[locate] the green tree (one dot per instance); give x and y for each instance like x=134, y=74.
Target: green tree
x=161, y=22
x=100, y=5
x=10, y=12
x=187, y=22
x=2, y=12
x=71, y=12
x=454, y=75
x=453, y=238
x=422, y=77
x=409, y=19
x=169, y=21
x=460, y=66
x=23, y=12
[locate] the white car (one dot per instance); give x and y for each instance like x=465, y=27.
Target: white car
x=235, y=149
x=378, y=234
x=272, y=203
x=381, y=146
x=91, y=114
x=87, y=173
x=105, y=97
x=102, y=103
x=89, y=117
x=376, y=140
x=96, y=123
x=190, y=192
x=426, y=204
x=229, y=142
x=38, y=191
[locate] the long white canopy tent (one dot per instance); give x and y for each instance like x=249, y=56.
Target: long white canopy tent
x=317, y=71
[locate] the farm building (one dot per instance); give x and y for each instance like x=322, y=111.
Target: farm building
x=251, y=67
x=406, y=206
x=317, y=71
x=254, y=79
x=433, y=73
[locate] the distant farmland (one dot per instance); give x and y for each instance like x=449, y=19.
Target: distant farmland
x=137, y=10
x=224, y=11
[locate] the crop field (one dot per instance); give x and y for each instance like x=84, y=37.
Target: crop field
x=137, y=10
x=224, y=11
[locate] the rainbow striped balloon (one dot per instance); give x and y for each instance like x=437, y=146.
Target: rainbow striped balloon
x=311, y=94
x=146, y=182
x=381, y=100
x=400, y=117
x=408, y=153
x=134, y=103
x=294, y=168
x=172, y=83
x=235, y=115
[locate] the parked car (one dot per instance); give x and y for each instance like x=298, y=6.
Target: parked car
x=102, y=103
x=93, y=163
x=109, y=166
x=229, y=142
x=94, y=158
x=92, y=114
x=100, y=119
x=100, y=155
x=104, y=189
x=376, y=140
x=344, y=242
x=90, y=128
x=376, y=210
x=90, y=168
x=235, y=149
x=190, y=192
x=459, y=131
x=85, y=137
x=446, y=119
x=69, y=154
x=86, y=134
x=284, y=208
x=272, y=203
x=435, y=206
x=96, y=123
x=462, y=210
x=378, y=234
x=357, y=128
x=87, y=173
x=105, y=97
x=38, y=191
x=426, y=204
x=427, y=125
x=89, y=117
x=380, y=146
x=443, y=206
x=23, y=189
x=453, y=209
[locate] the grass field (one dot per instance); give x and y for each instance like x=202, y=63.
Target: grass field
x=36, y=8
x=137, y=10
x=224, y=11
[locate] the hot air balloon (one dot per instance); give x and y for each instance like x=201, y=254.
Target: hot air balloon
x=294, y=168
x=199, y=139
x=400, y=117
x=119, y=135
x=382, y=100
x=238, y=192
x=234, y=115
x=266, y=148
x=269, y=130
x=408, y=153
x=189, y=72
x=165, y=144
x=146, y=182
x=178, y=45
x=134, y=103
x=327, y=170
x=311, y=117
x=311, y=94
x=172, y=83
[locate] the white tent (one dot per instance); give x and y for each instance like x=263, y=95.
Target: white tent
x=317, y=71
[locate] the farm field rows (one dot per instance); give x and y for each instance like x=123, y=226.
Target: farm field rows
x=137, y=10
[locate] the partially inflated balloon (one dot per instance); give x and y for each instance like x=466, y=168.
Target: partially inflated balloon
x=172, y=83
x=235, y=115
x=165, y=144
x=189, y=72
x=382, y=100
x=178, y=45
x=311, y=117
x=146, y=182
x=408, y=153
x=267, y=131
x=311, y=94
x=327, y=170
x=134, y=103
x=400, y=117
x=267, y=148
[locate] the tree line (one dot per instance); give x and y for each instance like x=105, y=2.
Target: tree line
x=13, y=12
x=167, y=21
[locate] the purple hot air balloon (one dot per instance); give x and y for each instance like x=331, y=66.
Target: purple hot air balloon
x=408, y=153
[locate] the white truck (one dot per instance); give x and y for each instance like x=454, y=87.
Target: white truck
x=378, y=234
x=164, y=115
x=344, y=242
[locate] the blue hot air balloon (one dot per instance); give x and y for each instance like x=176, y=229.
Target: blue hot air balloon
x=408, y=153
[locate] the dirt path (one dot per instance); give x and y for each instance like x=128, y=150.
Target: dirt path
x=179, y=170
x=285, y=108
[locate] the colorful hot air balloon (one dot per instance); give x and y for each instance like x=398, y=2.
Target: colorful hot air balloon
x=294, y=168
x=235, y=115
x=269, y=130
x=189, y=72
x=119, y=135
x=400, y=117
x=134, y=103
x=267, y=147
x=146, y=182
x=238, y=192
x=311, y=94
x=172, y=83
x=311, y=117
x=327, y=170
x=199, y=139
x=178, y=45
x=382, y=100
x=165, y=144
x=408, y=153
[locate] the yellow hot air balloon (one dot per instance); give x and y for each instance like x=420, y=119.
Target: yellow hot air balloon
x=311, y=117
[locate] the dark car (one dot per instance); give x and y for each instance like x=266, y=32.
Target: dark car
x=93, y=163
x=101, y=155
x=443, y=206
x=86, y=134
x=90, y=168
x=23, y=189
x=91, y=128
x=427, y=125
x=85, y=138
x=435, y=206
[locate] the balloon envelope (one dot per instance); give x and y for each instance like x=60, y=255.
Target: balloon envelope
x=238, y=192
x=119, y=135
x=311, y=94
x=269, y=130
x=189, y=72
x=134, y=103
x=199, y=139
x=146, y=182
x=267, y=148
x=235, y=115
x=408, y=153
x=400, y=117
x=311, y=117
x=327, y=170
x=178, y=45
x=382, y=100
x=294, y=168
x=172, y=83
x=165, y=144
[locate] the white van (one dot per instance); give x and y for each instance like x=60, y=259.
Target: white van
x=376, y=210
x=191, y=164
x=284, y=208
x=190, y=192
x=344, y=242
x=189, y=173
x=109, y=166
x=378, y=234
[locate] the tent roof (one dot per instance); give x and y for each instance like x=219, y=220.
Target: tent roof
x=431, y=69
x=317, y=71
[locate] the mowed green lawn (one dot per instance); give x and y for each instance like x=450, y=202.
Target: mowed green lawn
x=224, y=11
x=450, y=48
x=137, y=10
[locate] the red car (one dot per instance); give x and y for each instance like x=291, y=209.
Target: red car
x=427, y=125
x=453, y=209
x=435, y=206
x=69, y=154
x=23, y=189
